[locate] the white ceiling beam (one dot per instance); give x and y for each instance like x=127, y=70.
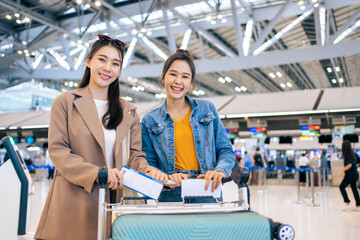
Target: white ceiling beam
x=237, y=28
x=153, y=48
x=317, y=26
x=345, y=26
x=259, y=14
x=130, y=52
x=169, y=33
x=245, y=4
x=274, y=58
x=34, y=15
x=23, y=65
x=280, y=34
x=270, y=26
x=65, y=46
x=115, y=10
x=248, y=36
x=186, y=39
x=34, y=45
x=206, y=35
x=322, y=19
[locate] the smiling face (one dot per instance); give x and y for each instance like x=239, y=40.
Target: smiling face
x=177, y=80
x=105, y=67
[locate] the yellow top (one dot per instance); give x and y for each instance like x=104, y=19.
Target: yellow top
x=185, y=154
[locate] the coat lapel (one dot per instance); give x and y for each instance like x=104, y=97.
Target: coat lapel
x=87, y=109
x=123, y=128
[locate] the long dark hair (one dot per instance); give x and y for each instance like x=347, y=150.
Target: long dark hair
x=183, y=55
x=347, y=151
x=114, y=114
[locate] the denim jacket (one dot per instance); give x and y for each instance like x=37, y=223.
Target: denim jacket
x=212, y=145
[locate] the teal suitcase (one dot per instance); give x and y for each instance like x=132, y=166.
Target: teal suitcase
x=179, y=226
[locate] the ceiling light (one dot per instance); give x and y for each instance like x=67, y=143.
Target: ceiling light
x=300, y=2
x=148, y=33
x=140, y=35
x=66, y=84
x=213, y=22
x=87, y=5
x=97, y=3
x=19, y=52
x=237, y=89
x=302, y=7
x=26, y=51
x=17, y=15
x=272, y=75
x=316, y=5
x=71, y=84
x=8, y=17
x=18, y=21
x=220, y=16
x=27, y=54
x=333, y=80
x=337, y=69
x=341, y=80
x=279, y=74
x=313, y=1
x=222, y=80
x=143, y=29
x=134, y=31
x=329, y=69
x=128, y=98
x=32, y=53
x=201, y=92
x=282, y=85
x=288, y=84
x=228, y=79
x=208, y=18
x=223, y=20
x=243, y=88
x=79, y=2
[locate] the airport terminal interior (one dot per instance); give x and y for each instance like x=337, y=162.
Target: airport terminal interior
x=284, y=76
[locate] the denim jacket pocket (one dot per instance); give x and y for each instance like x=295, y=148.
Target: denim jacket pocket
x=156, y=129
x=207, y=118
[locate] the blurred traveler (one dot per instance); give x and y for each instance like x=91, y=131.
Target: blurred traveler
x=351, y=175
x=304, y=163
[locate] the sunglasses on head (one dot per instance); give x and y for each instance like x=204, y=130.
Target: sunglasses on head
x=107, y=39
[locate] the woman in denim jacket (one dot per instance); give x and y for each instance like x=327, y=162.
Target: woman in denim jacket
x=185, y=137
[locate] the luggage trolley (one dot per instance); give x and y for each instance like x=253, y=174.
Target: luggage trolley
x=190, y=221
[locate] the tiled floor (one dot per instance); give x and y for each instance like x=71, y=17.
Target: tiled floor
x=325, y=221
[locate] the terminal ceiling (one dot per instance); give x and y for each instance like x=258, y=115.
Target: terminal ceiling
x=240, y=46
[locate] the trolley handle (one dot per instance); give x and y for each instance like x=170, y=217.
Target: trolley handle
x=102, y=176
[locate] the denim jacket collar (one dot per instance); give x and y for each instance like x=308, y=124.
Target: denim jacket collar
x=193, y=104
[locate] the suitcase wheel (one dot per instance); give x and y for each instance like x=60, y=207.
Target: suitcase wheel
x=285, y=232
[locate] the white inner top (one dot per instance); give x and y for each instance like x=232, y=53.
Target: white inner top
x=109, y=135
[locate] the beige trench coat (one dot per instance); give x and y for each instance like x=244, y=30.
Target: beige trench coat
x=77, y=149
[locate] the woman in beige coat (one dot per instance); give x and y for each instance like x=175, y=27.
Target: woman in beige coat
x=89, y=128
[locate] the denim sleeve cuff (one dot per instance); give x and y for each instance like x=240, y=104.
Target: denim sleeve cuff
x=227, y=173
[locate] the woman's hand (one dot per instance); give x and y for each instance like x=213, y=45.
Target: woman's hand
x=212, y=175
x=115, y=179
x=177, y=178
x=157, y=174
